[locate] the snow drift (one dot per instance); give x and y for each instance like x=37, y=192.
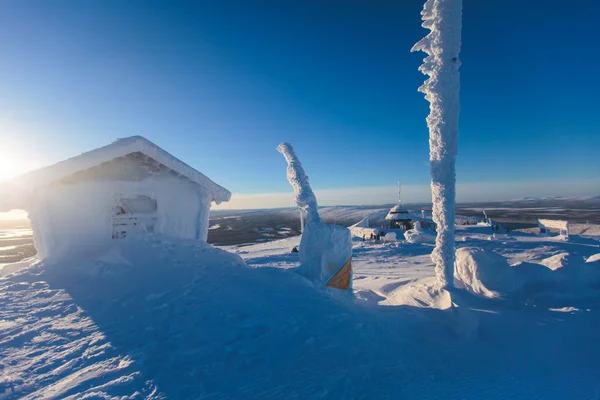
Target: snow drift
x=419, y=236
x=593, y=258
x=488, y=274
x=484, y=272
x=391, y=237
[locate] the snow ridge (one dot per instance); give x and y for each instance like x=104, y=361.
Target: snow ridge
x=441, y=89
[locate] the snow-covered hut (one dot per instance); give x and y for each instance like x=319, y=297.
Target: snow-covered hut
x=547, y=224
x=128, y=187
x=364, y=229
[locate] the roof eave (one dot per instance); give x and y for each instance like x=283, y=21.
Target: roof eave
x=28, y=182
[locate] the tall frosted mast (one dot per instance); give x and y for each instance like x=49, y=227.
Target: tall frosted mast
x=442, y=45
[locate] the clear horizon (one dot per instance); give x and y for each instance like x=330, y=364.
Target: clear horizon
x=476, y=192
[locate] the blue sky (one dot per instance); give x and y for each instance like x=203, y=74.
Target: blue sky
x=220, y=83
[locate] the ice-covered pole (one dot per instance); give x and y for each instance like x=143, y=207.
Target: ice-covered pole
x=442, y=45
x=325, y=252
x=305, y=198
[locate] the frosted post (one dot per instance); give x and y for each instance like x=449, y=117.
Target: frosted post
x=325, y=252
x=305, y=198
x=442, y=45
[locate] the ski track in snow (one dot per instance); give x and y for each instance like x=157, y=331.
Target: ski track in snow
x=181, y=320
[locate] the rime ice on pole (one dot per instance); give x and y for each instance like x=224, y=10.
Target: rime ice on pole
x=442, y=45
x=325, y=250
x=305, y=198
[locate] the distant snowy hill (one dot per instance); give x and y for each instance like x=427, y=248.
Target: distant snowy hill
x=571, y=198
x=251, y=226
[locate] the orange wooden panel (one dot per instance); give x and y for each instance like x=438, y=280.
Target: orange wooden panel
x=341, y=279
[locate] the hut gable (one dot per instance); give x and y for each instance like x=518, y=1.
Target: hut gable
x=131, y=167
x=129, y=158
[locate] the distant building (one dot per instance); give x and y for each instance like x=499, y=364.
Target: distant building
x=364, y=229
x=562, y=227
x=397, y=221
x=399, y=218
x=127, y=188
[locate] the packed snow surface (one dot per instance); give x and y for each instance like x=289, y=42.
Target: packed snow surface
x=161, y=318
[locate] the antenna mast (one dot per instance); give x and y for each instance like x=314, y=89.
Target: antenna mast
x=399, y=192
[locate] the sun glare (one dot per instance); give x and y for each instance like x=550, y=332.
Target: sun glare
x=13, y=164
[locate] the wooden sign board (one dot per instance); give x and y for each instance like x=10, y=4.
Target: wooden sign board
x=341, y=279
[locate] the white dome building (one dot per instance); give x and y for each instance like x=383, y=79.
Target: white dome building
x=399, y=217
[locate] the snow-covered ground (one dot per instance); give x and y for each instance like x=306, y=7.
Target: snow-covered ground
x=589, y=230
x=157, y=318
x=381, y=270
